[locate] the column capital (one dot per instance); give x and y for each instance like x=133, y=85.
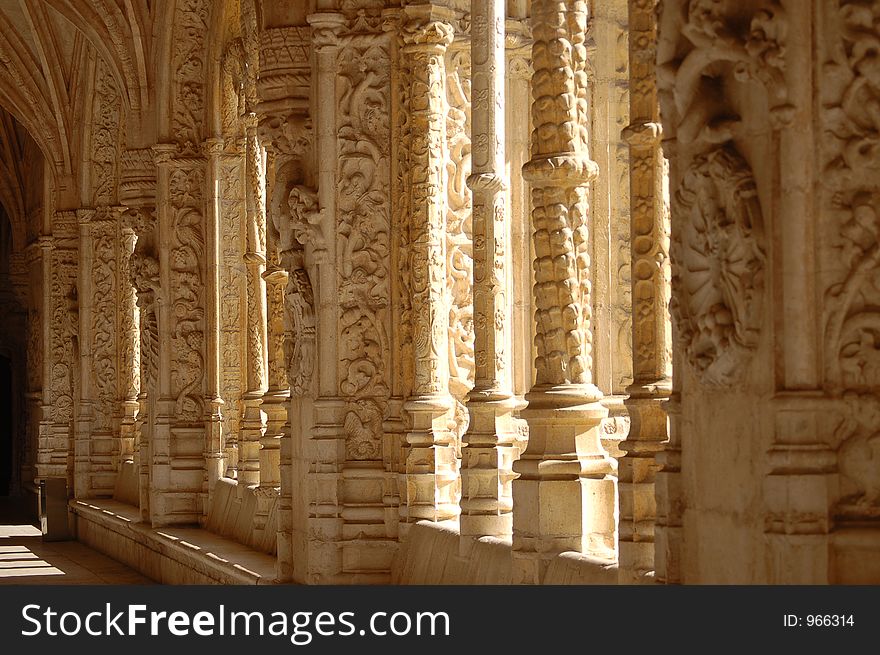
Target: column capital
x=326, y=28
x=163, y=152
x=84, y=216
x=642, y=134
x=213, y=146
x=427, y=28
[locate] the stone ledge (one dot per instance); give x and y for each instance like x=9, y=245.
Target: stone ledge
x=168, y=555
x=430, y=556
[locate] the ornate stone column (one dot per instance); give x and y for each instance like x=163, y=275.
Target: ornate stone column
x=651, y=330
x=431, y=467
x=565, y=498
x=253, y=424
x=278, y=393
x=137, y=192
x=313, y=301
x=518, y=127
x=84, y=404
x=177, y=448
x=102, y=312
x=130, y=343
x=214, y=456
x=284, y=87
x=488, y=453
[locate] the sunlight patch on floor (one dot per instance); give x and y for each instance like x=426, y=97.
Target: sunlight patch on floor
x=20, y=561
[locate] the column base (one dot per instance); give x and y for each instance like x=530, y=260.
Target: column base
x=487, y=468
x=432, y=482
x=566, y=497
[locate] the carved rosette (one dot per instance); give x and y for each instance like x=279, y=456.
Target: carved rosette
x=363, y=201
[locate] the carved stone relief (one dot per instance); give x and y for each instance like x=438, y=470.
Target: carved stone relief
x=459, y=234
x=363, y=204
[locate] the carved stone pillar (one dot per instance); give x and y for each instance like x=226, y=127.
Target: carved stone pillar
x=565, y=498
x=84, y=413
x=130, y=345
x=213, y=453
x=609, y=250
x=137, y=192
x=60, y=330
x=518, y=127
x=253, y=424
x=743, y=297
x=278, y=391
x=651, y=331
x=102, y=313
x=431, y=466
x=487, y=457
x=313, y=301
x=284, y=87
x=178, y=438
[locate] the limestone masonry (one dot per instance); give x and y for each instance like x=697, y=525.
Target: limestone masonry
x=452, y=291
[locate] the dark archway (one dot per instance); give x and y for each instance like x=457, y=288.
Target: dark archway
x=6, y=423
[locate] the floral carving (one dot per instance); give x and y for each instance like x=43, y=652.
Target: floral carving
x=363, y=243
x=232, y=289
x=718, y=265
x=191, y=28
x=459, y=232
x=103, y=329
x=63, y=332
x=105, y=135
x=300, y=343
x=187, y=306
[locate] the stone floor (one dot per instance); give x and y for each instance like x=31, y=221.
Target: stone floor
x=26, y=559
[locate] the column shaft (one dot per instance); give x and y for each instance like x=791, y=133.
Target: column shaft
x=651, y=330
x=487, y=457
x=565, y=498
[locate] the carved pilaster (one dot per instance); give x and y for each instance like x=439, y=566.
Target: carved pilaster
x=101, y=313
x=313, y=289
x=214, y=219
x=84, y=416
x=129, y=388
x=487, y=457
x=137, y=192
x=651, y=331
x=60, y=331
x=431, y=475
x=565, y=473
x=722, y=161
x=177, y=482
x=253, y=424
